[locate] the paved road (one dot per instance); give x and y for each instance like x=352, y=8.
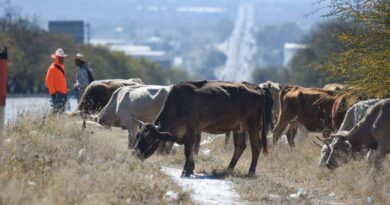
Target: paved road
x=240, y=48
x=37, y=105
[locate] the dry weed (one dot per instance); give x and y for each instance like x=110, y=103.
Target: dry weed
x=54, y=161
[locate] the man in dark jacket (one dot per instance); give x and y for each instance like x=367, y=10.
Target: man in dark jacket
x=83, y=76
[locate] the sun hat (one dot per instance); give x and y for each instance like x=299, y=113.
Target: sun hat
x=80, y=56
x=59, y=52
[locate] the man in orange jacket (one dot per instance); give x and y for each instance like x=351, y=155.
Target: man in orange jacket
x=56, y=81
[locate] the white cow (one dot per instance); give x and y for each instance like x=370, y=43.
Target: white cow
x=131, y=103
x=354, y=114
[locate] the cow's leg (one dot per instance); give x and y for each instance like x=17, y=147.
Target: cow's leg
x=132, y=129
x=279, y=128
x=227, y=137
x=239, y=147
x=189, y=165
x=291, y=132
x=254, y=138
x=161, y=148
x=378, y=157
x=197, y=143
x=168, y=147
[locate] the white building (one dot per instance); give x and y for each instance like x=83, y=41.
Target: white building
x=144, y=51
x=290, y=49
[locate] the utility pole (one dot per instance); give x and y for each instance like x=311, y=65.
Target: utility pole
x=3, y=89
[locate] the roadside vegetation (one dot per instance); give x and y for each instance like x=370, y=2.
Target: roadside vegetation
x=55, y=161
x=30, y=47
x=351, y=46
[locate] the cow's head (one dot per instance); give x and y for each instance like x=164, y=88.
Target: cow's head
x=338, y=152
x=325, y=150
x=148, y=140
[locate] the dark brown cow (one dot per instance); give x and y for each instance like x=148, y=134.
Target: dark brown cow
x=274, y=89
x=315, y=108
x=214, y=107
x=99, y=92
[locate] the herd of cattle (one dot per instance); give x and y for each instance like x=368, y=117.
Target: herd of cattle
x=158, y=116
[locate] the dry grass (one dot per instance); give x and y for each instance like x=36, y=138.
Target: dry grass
x=54, y=161
x=286, y=170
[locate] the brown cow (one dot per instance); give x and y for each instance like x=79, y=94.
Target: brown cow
x=274, y=88
x=99, y=92
x=214, y=107
x=314, y=108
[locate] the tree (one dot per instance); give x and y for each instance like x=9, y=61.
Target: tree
x=322, y=43
x=365, y=64
x=30, y=49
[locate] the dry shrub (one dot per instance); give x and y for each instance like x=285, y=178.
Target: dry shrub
x=53, y=161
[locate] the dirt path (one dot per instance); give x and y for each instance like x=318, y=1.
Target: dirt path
x=206, y=189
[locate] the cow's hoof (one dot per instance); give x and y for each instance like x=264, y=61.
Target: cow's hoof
x=229, y=171
x=186, y=173
x=251, y=174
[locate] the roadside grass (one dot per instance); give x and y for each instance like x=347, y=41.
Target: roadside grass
x=284, y=171
x=54, y=161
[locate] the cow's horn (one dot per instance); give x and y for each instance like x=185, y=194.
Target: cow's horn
x=140, y=122
x=321, y=139
x=327, y=144
x=316, y=143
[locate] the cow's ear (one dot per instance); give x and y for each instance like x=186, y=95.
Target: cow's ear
x=166, y=136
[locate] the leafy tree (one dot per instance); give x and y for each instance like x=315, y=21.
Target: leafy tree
x=322, y=43
x=29, y=57
x=365, y=64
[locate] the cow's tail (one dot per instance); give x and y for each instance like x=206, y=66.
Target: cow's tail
x=266, y=119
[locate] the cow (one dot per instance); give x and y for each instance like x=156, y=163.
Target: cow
x=274, y=88
x=99, y=92
x=311, y=107
x=354, y=114
x=372, y=132
x=214, y=107
x=131, y=103
x=343, y=101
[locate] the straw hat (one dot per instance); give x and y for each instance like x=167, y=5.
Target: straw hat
x=80, y=56
x=59, y=52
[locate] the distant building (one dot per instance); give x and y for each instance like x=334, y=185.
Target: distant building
x=74, y=29
x=290, y=49
x=142, y=51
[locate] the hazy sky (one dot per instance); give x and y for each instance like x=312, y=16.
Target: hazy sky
x=104, y=13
